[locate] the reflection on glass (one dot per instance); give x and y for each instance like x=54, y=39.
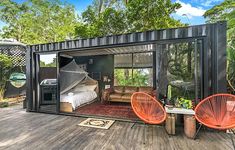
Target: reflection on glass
x=177, y=69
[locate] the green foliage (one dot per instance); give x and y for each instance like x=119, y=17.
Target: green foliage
x=5, y=66
x=106, y=17
x=52, y=64
x=124, y=77
x=110, y=21
x=140, y=78
x=181, y=61
x=4, y=104
x=226, y=11
x=36, y=21
x=151, y=14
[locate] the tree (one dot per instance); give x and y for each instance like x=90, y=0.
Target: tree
x=151, y=14
x=11, y=12
x=5, y=66
x=107, y=17
x=132, y=77
x=226, y=11
x=36, y=21
x=110, y=21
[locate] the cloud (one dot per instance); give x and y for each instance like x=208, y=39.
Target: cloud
x=189, y=10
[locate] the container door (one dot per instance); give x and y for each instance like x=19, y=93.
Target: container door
x=47, y=84
x=178, y=71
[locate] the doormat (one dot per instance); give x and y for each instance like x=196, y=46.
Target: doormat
x=97, y=123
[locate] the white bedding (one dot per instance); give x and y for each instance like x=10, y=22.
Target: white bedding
x=78, y=98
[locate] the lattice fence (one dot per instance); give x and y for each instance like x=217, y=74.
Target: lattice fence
x=16, y=53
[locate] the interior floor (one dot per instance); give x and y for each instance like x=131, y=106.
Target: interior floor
x=111, y=110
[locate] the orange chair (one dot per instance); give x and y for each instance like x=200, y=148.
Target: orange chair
x=217, y=112
x=147, y=108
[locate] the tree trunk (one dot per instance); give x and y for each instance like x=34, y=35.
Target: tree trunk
x=1, y=93
x=126, y=72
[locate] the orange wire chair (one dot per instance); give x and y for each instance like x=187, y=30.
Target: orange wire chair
x=147, y=108
x=217, y=112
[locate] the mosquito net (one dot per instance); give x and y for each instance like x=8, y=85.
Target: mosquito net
x=72, y=75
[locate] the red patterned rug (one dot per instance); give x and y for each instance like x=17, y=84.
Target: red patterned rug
x=114, y=110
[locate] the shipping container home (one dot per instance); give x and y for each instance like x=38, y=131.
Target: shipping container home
x=96, y=76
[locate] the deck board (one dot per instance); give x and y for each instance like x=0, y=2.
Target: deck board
x=25, y=130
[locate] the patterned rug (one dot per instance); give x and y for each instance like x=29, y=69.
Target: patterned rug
x=112, y=110
x=97, y=123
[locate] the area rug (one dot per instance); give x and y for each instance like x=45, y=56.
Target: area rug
x=97, y=123
x=112, y=110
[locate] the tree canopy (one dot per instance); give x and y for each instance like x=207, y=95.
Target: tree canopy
x=226, y=11
x=106, y=17
x=36, y=21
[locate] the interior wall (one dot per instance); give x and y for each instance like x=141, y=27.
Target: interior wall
x=47, y=73
x=103, y=64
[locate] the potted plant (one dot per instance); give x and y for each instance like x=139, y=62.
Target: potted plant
x=169, y=99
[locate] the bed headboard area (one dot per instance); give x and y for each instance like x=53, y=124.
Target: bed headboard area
x=90, y=82
x=98, y=67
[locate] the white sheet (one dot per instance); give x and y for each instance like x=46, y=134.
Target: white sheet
x=78, y=98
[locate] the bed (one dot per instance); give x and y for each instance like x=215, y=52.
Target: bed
x=78, y=97
x=76, y=87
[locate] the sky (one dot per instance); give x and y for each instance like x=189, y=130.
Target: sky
x=191, y=11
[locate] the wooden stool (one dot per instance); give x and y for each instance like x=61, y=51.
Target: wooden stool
x=170, y=124
x=189, y=121
x=189, y=126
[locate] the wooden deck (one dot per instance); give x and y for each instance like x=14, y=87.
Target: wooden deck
x=24, y=130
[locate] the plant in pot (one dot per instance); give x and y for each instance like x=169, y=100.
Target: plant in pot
x=169, y=99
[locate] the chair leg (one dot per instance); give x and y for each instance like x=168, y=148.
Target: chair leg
x=197, y=131
x=133, y=125
x=144, y=133
x=144, y=130
x=231, y=136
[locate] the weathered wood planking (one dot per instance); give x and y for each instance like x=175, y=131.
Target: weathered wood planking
x=23, y=130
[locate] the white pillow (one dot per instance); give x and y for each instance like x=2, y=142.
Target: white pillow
x=91, y=87
x=84, y=88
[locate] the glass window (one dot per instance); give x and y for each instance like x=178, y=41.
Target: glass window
x=142, y=60
x=48, y=60
x=133, y=69
x=123, y=61
x=142, y=77
x=122, y=76
x=178, y=65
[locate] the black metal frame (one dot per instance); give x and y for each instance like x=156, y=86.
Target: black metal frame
x=213, y=56
x=231, y=136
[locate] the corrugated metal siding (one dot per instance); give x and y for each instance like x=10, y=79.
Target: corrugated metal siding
x=148, y=36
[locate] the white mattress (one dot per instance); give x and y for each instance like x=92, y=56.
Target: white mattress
x=78, y=98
